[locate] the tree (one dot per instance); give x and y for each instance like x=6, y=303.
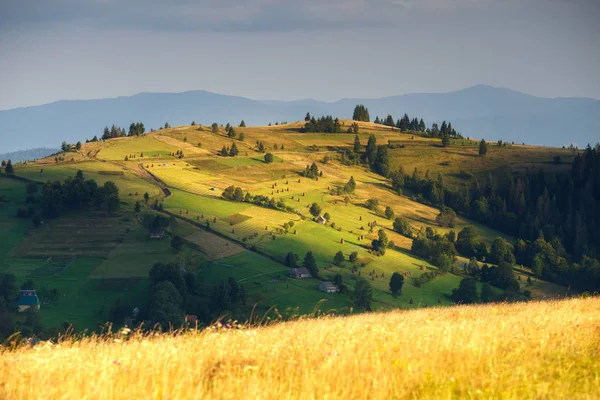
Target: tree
x=291, y=259
x=231, y=132
x=402, y=226
x=372, y=204
x=241, y=137
x=363, y=294
x=371, y=150
x=396, y=283
x=238, y=195
x=176, y=242
x=467, y=241
x=109, y=195
x=138, y=207
x=482, y=148
x=466, y=292
x=307, y=118
x=233, y=151
x=472, y=269
x=350, y=186
x=487, y=295
x=501, y=251
x=312, y=172
x=9, y=168
x=165, y=306
x=353, y=256
x=310, y=263
x=381, y=243
x=215, y=127
x=445, y=141
x=357, y=145
x=446, y=217
x=78, y=145
x=389, y=213
x=339, y=258
x=361, y=113
x=28, y=285
x=31, y=190
x=268, y=158
x=146, y=197
x=315, y=210
x=224, y=152
x=8, y=288
x=242, y=124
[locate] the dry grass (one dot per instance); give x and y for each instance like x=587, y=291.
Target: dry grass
x=541, y=350
x=214, y=246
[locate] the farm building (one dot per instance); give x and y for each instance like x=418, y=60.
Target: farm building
x=322, y=220
x=299, y=273
x=328, y=287
x=27, y=300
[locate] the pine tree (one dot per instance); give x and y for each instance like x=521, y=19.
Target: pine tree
x=371, y=150
x=233, y=151
x=396, y=283
x=357, y=145
x=9, y=168
x=445, y=141
x=482, y=148
x=361, y=113
x=310, y=263
x=363, y=294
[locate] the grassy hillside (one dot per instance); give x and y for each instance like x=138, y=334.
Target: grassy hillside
x=538, y=350
x=109, y=258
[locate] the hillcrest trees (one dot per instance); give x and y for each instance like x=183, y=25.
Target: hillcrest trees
x=361, y=113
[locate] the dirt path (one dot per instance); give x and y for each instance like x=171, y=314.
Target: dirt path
x=148, y=176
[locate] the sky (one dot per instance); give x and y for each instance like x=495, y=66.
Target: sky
x=289, y=49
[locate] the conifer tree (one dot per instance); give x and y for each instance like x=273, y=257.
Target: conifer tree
x=482, y=148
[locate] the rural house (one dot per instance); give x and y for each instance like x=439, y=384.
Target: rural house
x=322, y=220
x=299, y=273
x=328, y=287
x=27, y=300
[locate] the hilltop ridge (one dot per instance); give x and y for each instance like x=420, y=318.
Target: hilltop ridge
x=480, y=111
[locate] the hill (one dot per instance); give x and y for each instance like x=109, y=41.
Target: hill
x=538, y=350
x=102, y=272
x=480, y=111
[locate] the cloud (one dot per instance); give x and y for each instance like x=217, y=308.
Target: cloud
x=256, y=15
x=220, y=15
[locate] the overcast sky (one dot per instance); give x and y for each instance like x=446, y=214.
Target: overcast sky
x=289, y=49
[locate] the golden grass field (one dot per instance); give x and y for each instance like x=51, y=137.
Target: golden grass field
x=536, y=350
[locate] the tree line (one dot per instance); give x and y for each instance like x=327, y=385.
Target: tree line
x=77, y=193
x=556, y=217
x=326, y=124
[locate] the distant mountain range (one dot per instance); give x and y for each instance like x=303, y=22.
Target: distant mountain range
x=478, y=111
x=28, y=155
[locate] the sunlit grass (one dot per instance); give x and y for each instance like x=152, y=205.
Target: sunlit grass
x=541, y=350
